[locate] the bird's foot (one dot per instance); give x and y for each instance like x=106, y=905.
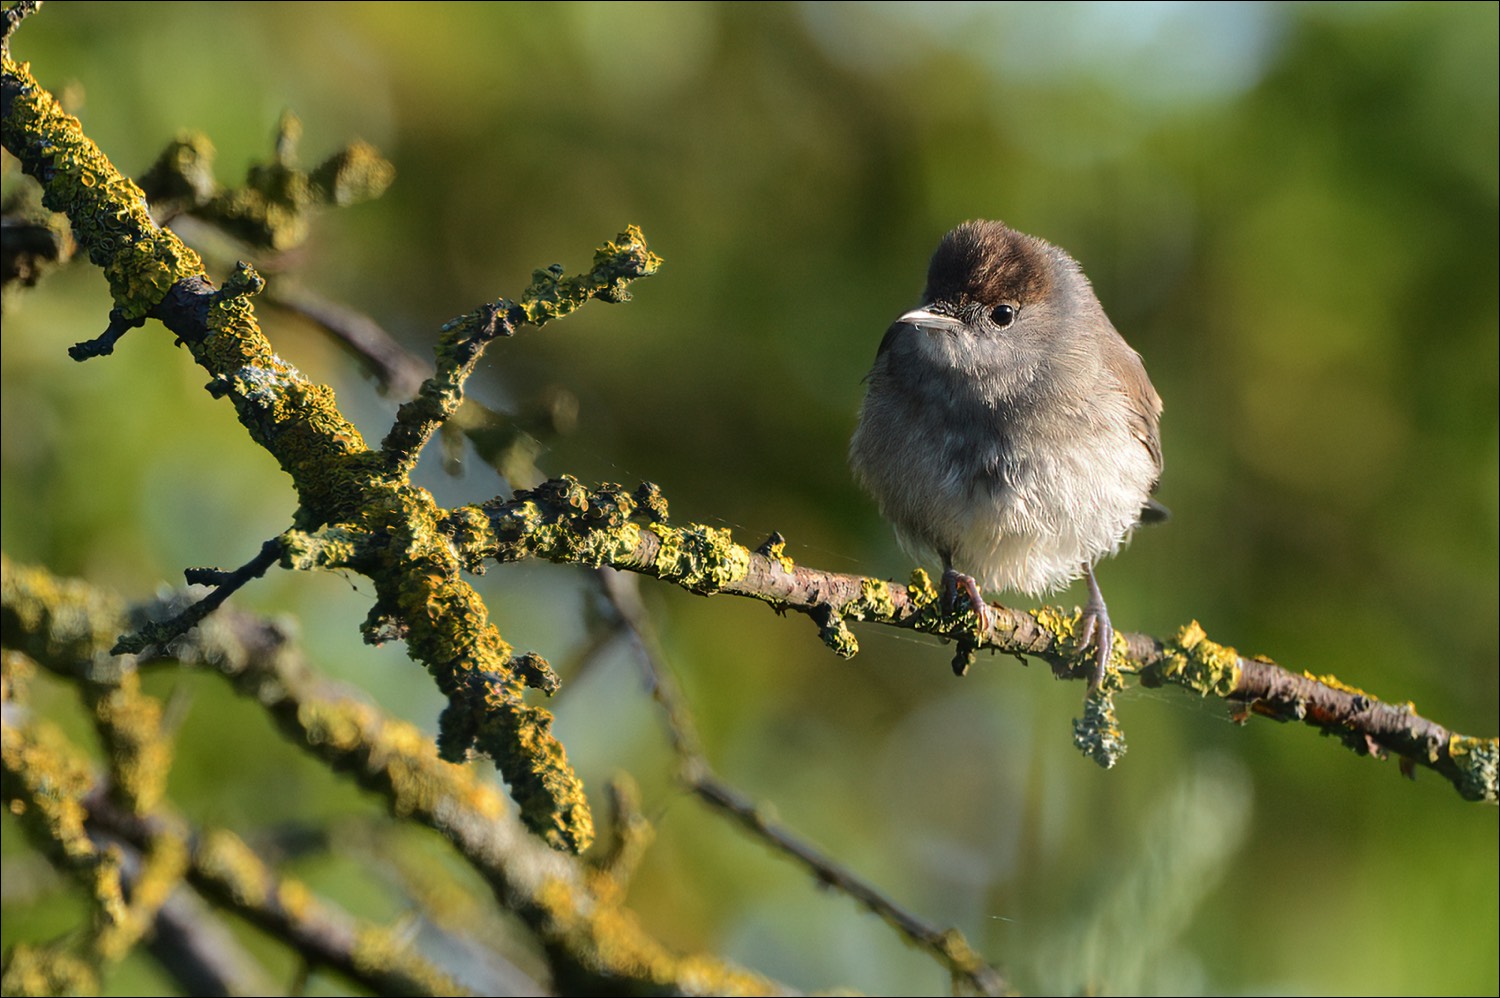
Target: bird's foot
x=953, y=582
x=1094, y=628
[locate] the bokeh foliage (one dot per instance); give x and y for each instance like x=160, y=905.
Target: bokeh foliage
x=1290, y=211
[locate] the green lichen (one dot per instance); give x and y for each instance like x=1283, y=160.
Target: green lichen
x=65, y=626
x=108, y=211
x=472, y=534
x=223, y=857
x=334, y=547
x=563, y=521
x=183, y=175
x=162, y=868
x=45, y=779
x=552, y=294
x=352, y=175
x=1098, y=734
x=52, y=969
x=604, y=547
x=447, y=628
x=275, y=206
x=650, y=502
x=1478, y=762
x=384, y=954
x=140, y=752
x=1192, y=660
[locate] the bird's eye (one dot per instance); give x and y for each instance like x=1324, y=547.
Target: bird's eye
x=1003, y=315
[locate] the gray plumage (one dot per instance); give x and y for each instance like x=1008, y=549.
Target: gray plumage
x=1007, y=427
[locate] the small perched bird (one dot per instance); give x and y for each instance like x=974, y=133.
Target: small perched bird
x=1008, y=428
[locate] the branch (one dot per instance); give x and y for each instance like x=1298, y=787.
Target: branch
x=399, y=371
x=508, y=442
x=12, y=17
x=356, y=507
x=229, y=871
x=274, y=208
x=563, y=521
x=550, y=296
x=573, y=908
x=225, y=585
x=946, y=945
x=188, y=940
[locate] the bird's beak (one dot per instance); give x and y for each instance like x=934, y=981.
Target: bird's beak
x=929, y=322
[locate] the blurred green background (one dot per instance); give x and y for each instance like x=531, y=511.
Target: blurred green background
x=1290, y=211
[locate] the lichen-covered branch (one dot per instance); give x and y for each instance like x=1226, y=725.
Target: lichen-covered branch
x=573, y=908
x=36, y=754
x=274, y=208
x=227, y=870
x=551, y=295
x=563, y=521
x=356, y=508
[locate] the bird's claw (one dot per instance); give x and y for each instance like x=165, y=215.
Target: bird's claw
x=953, y=581
x=1096, y=630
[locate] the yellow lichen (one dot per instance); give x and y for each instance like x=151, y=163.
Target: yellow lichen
x=1062, y=626
x=775, y=549
x=920, y=590
x=874, y=600
x=225, y=858
x=1192, y=660
x=1333, y=682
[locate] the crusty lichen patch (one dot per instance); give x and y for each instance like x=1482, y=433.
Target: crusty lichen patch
x=1478, y=760
x=1192, y=660
x=108, y=211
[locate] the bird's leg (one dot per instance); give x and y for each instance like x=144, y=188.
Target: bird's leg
x=953, y=581
x=1094, y=626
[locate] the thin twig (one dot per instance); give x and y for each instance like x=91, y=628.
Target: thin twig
x=399, y=371
x=12, y=18
x=948, y=946
x=104, y=344
x=226, y=583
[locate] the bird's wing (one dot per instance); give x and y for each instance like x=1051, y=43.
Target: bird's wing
x=1144, y=403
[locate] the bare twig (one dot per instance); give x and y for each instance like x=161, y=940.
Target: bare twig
x=104, y=344
x=225, y=583
x=948, y=946
x=399, y=371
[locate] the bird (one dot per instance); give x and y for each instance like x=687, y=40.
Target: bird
x=1009, y=429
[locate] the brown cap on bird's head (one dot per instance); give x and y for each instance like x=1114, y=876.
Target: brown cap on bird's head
x=989, y=262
